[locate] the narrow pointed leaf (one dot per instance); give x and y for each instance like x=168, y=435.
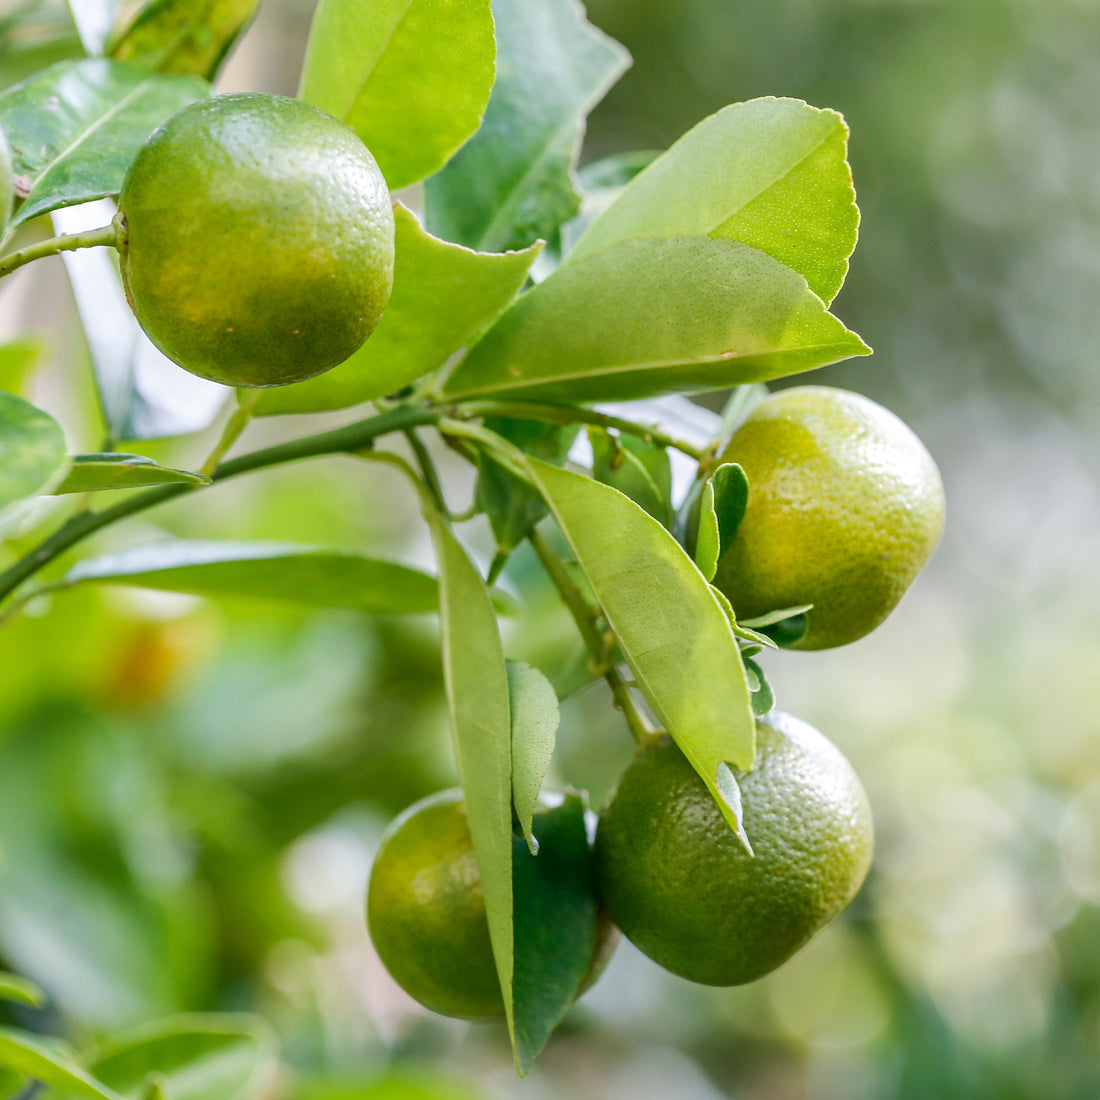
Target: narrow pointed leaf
x=192, y=37
x=477, y=692
x=114, y=470
x=672, y=630
x=33, y=454
x=81, y=149
x=281, y=571
x=649, y=317
x=771, y=173
x=15, y=988
x=770, y=618
x=535, y=720
x=444, y=295
x=513, y=182
x=30, y=1056
x=555, y=924
x=410, y=77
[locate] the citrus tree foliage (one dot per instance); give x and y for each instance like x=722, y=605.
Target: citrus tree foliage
x=523, y=298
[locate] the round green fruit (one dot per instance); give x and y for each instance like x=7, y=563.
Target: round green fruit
x=256, y=240
x=682, y=887
x=845, y=507
x=426, y=913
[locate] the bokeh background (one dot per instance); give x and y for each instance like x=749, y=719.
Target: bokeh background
x=190, y=792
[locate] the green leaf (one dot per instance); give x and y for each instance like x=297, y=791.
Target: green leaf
x=192, y=37
x=770, y=173
x=16, y=361
x=639, y=469
x=410, y=77
x=535, y=720
x=770, y=618
x=513, y=182
x=81, y=149
x=555, y=924
x=655, y=316
x=33, y=453
x=7, y=184
x=444, y=295
x=278, y=571
x=672, y=630
x=114, y=470
x=787, y=631
x=50, y=1063
x=763, y=698
x=511, y=504
x=15, y=988
x=721, y=509
x=477, y=693
x=194, y=1057
x=11, y=1084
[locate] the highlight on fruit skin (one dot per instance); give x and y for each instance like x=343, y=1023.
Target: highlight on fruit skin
x=845, y=507
x=684, y=889
x=256, y=240
x=426, y=913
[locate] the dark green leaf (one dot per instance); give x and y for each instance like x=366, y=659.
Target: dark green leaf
x=787, y=631
x=33, y=453
x=281, y=571
x=555, y=924
x=50, y=1063
x=81, y=149
x=655, y=316
x=770, y=173
x=410, y=77
x=15, y=988
x=114, y=470
x=721, y=509
x=512, y=183
x=770, y=618
x=477, y=692
x=535, y=720
x=191, y=37
x=444, y=295
x=639, y=469
x=194, y=1057
x=763, y=698
x=672, y=630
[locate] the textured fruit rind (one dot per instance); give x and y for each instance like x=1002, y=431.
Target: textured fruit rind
x=684, y=890
x=845, y=507
x=257, y=244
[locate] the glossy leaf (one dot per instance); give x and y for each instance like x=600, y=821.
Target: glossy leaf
x=191, y=37
x=763, y=698
x=278, y=571
x=144, y=395
x=114, y=470
x=640, y=470
x=33, y=454
x=82, y=148
x=477, y=693
x=721, y=509
x=93, y=19
x=535, y=720
x=195, y=1057
x=555, y=924
x=444, y=295
x=672, y=630
x=655, y=316
x=513, y=182
x=410, y=77
x=771, y=173
x=15, y=988
x=50, y=1063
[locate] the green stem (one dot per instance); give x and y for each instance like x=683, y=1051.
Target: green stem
x=242, y=414
x=428, y=471
x=68, y=242
x=593, y=638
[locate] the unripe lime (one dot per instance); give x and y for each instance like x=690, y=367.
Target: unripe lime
x=683, y=888
x=256, y=240
x=845, y=507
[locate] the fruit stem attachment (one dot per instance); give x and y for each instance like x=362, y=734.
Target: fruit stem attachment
x=67, y=242
x=242, y=414
x=582, y=614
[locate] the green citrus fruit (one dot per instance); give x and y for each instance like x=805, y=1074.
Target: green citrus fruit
x=256, y=240
x=426, y=913
x=845, y=507
x=682, y=887
x=7, y=182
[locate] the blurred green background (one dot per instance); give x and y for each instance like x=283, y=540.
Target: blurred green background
x=190, y=792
